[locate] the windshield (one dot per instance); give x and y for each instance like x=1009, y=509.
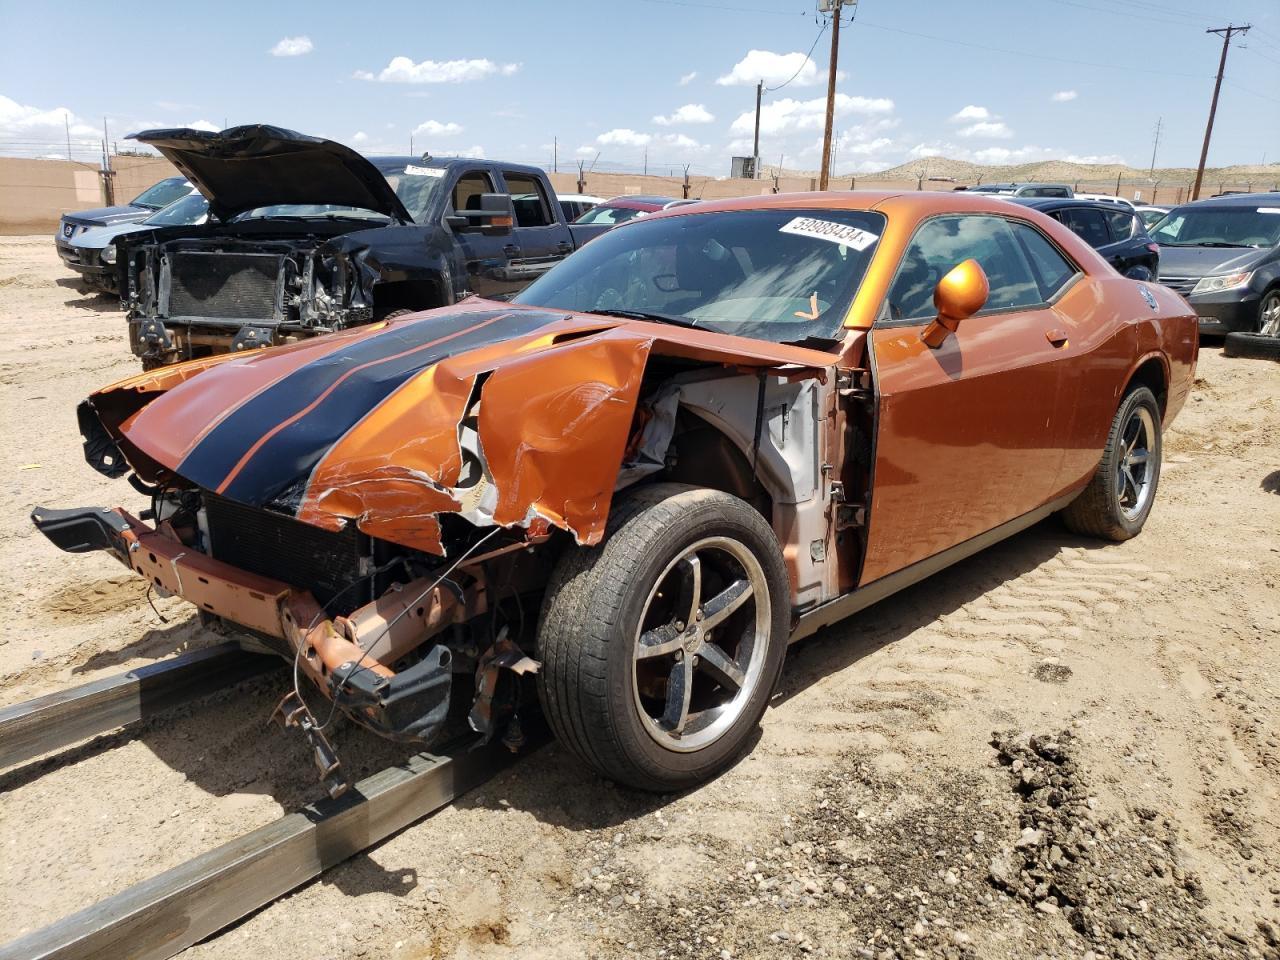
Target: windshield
x=780, y=275
x=609, y=215
x=1150, y=217
x=192, y=208
x=162, y=194
x=415, y=187
x=1219, y=226
x=991, y=188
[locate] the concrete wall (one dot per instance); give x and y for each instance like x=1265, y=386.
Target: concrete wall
x=35, y=193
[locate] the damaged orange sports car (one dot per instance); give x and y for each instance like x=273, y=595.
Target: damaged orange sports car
x=708, y=433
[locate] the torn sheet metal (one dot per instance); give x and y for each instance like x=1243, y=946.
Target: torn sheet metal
x=514, y=416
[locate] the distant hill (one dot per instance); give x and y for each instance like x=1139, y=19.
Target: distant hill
x=1262, y=176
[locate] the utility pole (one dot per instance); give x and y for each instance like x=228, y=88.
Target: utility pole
x=66, y=120
x=831, y=93
x=555, y=154
x=411, y=153
x=1226, y=33
x=1154, y=147
x=755, y=150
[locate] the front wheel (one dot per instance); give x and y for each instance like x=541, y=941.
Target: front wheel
x=1117, y=501
x=660, y=648
x=1269, y=314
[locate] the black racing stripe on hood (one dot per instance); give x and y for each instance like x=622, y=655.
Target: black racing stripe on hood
x=388, y=361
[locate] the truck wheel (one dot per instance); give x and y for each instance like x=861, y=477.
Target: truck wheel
x=1115, y=504
x=661, y=647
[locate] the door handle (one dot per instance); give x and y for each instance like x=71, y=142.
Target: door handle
x=564, y=246
x=511, y=250
x=1057, y=337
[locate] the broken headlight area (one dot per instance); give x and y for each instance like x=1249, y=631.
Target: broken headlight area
x=384, y=632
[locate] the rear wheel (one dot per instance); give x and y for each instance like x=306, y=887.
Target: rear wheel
x=661, y=647
x=1117, y=501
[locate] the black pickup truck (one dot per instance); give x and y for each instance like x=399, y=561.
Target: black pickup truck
x=306, y=236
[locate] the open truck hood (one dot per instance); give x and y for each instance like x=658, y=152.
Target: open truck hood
x=259, y=166
x=514, y=416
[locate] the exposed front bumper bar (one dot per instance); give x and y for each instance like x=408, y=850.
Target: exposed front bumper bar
x=338, y=655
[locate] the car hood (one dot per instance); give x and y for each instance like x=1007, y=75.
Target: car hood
x=514, y=416
x=96, y=238
x=104, y=216
x=258, y=166
x=1209, y=261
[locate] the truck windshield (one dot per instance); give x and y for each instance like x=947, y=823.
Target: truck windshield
x=1219, y=226
x=780, y=275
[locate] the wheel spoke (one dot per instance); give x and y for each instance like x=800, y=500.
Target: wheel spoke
x=722, y=667
x=659, y=641
x=690, y=568
x=1129, y=483
x=724, y=603
x=1137, y=457
x=679, y=689
x=1131, y=441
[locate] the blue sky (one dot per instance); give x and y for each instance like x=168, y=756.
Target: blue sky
x=996, y=81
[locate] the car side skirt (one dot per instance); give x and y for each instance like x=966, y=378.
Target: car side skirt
x=849, y=604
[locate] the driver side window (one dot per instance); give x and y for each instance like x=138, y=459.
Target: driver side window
x=944, y=243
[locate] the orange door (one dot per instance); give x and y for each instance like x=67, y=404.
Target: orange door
x=968, y=435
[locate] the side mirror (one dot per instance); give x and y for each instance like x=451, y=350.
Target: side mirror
x=958, y=295
x=495, y=218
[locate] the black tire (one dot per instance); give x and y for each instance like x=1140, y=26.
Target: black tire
x=1099, y=510
x=588, y=638
x=394, y=314
x=1254, y=346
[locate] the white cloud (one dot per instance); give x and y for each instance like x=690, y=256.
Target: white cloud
x=788, y=116
x=678, y=141
x=688, y=78
x=994, y=129
x=622, y=137
x=359, y=137
x=587, y=151
x=772, y=68
x=404, y=70
x=1062, y=96
x=292, y=47
x=434, y=128
x=32, y=122
x=971, y=112
x=1093, y=158
x=204, y=125
x=689, y=113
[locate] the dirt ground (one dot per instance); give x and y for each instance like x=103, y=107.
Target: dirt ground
x=1055, y=749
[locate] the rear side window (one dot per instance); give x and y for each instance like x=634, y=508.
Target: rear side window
x=469, y=188
x=1088, y=225
x=946, y=242
x=1052, y=269
x=1121, y=225
x=532, y=209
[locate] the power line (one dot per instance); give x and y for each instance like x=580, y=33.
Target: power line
x=807, y=57
x=717, y=6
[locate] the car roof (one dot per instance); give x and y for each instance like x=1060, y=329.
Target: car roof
x=390, y=164
x=1063, y=203
x=1238, y=200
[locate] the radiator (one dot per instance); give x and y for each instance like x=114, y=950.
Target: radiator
x=273, y=545
x=232, y=286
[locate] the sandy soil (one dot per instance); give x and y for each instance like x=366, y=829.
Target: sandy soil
x=1056, y=749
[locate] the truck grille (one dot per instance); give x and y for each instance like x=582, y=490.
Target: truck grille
x=1183, y=285
x=272, y=545
x=231, y=286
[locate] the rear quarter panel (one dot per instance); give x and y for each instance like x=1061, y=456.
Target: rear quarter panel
x=1113, y=331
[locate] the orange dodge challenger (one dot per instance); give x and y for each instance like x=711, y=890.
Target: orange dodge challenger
x=708, y=433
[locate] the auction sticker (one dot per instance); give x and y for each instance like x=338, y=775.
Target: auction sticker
x=413, y=171
x=831, y=231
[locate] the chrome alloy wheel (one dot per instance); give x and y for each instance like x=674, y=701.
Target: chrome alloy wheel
x=1134, y=469
x=1269, y=316
x=701, y=644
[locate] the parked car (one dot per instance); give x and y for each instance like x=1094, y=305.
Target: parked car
x=1150, y=214
x=710, y=432
x=1105, y=198
x=92, y=254
x=621, y=209
x=1116, y=233
x=1223, y=255
x=306, y=236
x=156, y=197
x=1022, y=189
x=575, y=205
